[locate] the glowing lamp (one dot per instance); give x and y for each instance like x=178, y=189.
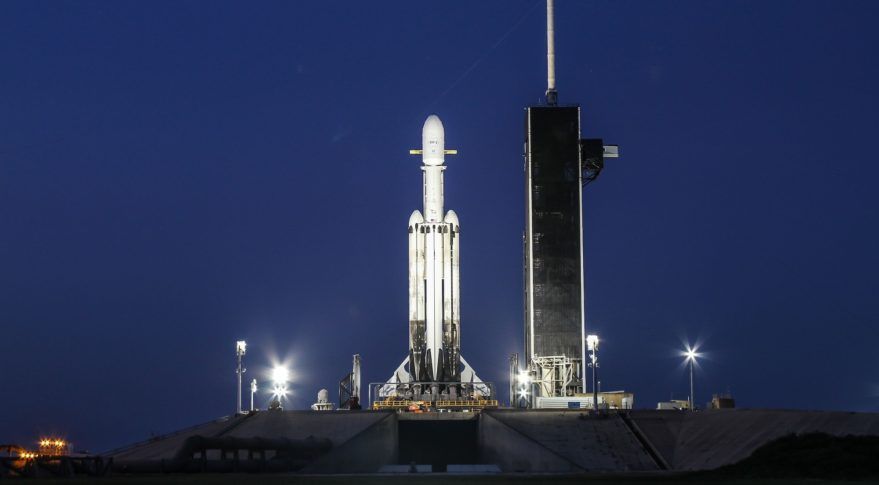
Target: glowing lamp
x=280, y=375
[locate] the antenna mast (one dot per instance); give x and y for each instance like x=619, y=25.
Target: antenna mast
x=551, y=93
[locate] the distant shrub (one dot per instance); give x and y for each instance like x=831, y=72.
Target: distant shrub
x=812, y=455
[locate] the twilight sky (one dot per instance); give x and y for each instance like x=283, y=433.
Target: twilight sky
x=175, y=176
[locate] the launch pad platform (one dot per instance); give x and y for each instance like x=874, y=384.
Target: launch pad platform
x=507, y=440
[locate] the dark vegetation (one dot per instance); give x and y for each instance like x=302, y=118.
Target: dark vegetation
x=813, y=455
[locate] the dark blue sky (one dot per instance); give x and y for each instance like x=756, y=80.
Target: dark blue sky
x=175, y=176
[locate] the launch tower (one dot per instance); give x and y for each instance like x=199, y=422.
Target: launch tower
x=558, y=164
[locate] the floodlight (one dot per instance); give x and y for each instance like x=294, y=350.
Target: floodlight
x=524, y=378
x=592, y=342
x=280, y=391
x=240, y=347
x=280, y=375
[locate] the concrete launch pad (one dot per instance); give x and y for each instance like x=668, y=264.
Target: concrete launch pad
x=510, y=441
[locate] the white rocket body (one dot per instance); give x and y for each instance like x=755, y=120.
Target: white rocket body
x=434, y=291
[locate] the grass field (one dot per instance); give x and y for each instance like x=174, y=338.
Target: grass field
x=243, y=479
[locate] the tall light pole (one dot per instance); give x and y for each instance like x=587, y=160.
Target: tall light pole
x=592, y=347
x=240, y=350
x=253, y=390
x=691, y=360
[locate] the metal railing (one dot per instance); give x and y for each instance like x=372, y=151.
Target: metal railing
x=458, y=404
x=391, y=404
x=474, y=404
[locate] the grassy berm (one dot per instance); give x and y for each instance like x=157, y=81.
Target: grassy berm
x=813, y=455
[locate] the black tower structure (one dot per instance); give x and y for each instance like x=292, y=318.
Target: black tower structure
x=553, y=239
x=558, y=164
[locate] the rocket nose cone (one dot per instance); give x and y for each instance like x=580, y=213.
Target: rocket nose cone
x=415, y=218
x=432, y=126
x=433, y=140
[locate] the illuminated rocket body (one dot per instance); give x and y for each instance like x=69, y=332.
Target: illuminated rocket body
x=434, y=369
x=434, y=265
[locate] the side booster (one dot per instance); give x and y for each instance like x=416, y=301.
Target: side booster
x=434, y=271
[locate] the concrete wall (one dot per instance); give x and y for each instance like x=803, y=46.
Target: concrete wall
x=661, y=429
x=339, y=427
x=514, y=452
x=165, y=446
x=366, y=452
x=590, y=443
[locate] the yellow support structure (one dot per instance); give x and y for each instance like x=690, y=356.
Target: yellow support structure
x=467, y=404
x=391, y=404
x=477, y=404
